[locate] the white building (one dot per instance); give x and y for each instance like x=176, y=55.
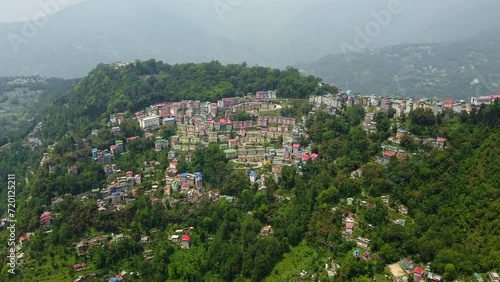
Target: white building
x=149, y=122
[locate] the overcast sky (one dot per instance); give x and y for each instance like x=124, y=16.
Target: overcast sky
x=267, y=32
x=17, y=10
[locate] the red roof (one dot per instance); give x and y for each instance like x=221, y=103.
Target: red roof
x=441, y=139
x=389, y=153
x=495, y=96
x=227, y=99
x=349, y=225
x=305, y=158
x=223, y=121
x=419, y=270
x=296, y=145
x=138, y=114
x=448, y=101
x=314, y=156
x=46, y=217
x=130, y=172
x=23, y=238
x=185, y=238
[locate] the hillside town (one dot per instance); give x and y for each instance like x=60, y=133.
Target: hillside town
x=262, y=138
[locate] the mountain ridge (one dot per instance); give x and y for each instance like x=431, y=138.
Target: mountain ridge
x=444, y=70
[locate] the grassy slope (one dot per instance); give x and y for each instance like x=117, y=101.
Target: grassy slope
x=300, y=257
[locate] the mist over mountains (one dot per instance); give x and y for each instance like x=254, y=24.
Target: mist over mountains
x=456, y=70
x=272, y=33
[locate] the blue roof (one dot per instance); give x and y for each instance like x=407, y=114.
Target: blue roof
x=197, y=173
x=168, y=119
x=402, y=130
x=184, y=174
x=252, y=173
x=114, y=280
x=116, y=194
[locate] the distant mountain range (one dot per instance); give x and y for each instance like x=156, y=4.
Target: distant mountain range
x=261, y=32
x=73, y=43
x=445, y=70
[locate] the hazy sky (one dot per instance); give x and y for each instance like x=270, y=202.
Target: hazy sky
x=17, y=10
x=266, y=32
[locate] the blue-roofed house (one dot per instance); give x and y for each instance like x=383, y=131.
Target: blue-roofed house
x=356, y=253
x=401, y=132
x=169, y=121
x=253, y=176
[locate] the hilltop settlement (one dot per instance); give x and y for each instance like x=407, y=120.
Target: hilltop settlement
x=258, y=187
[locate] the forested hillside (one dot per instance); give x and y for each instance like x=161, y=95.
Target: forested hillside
x=451, y=194
x=109, y=89
x=25, y=100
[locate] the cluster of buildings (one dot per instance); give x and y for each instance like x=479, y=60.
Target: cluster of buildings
x=394, y=151
x=105, y=156
x=181, y=237
x=34, y=136
x=402, y=106
x=402, y=270
x=189, y=185
x=199, y=114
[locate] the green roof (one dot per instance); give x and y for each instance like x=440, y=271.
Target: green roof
x=229, y=151
x=405, y=264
